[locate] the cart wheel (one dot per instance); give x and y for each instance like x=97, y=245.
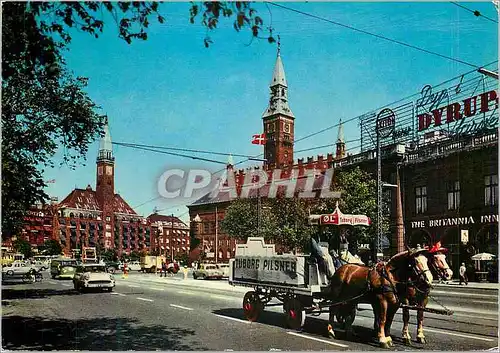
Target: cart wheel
x=252, y=306
x=294, y=313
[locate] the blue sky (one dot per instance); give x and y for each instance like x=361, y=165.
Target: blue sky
x=172, y=91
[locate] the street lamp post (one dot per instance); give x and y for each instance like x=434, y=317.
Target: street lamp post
x=385, y=124
x=216, y=236
x=172, y=237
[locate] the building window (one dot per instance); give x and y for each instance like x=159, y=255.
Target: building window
x=421, y=199
x=490, y=190
x=453, y=195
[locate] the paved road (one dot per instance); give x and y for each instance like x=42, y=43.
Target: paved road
x=146, y=314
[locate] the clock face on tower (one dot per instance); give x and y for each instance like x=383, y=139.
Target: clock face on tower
x=109, y=170
x=287, y=127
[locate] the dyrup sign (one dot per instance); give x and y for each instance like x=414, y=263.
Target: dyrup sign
x=466, y=107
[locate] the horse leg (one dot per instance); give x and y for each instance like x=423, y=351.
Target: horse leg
x=350, y=314
x=376, y=314
x=420, y=327
x=391, y=311
x=382, y=319
x=331, y=320
x=406, y=320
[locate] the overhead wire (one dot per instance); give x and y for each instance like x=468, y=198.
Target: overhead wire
x=372, y=34
x=127, y=144
x=475, y=12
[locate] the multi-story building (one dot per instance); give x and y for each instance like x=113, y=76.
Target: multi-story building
x=171, y=236
x=39, y=224
x=441, y=149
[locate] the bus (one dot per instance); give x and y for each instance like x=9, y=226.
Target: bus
x=9, y=257
x=63, y=268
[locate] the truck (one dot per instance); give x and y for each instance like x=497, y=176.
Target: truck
x=151, y=263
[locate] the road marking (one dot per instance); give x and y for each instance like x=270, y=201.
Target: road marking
x=120, y=294
x=144, y=299
x=65, y=284
x=318, y=339
x=154, y=288
x=460, y=335
x=132, y=286
x=464, y=294
x=190, y=293
x=181, y=307
x=484, y=301
x=51, y=282
x=233, y=318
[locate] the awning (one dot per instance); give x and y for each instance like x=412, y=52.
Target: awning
x=338, y=218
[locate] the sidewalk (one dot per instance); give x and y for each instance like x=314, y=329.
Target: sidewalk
x=476, y=285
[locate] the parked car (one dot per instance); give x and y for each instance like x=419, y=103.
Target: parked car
x=225, y=269
x=112, y=266
x=132, y=266
x=93, y=276
x=206, y=271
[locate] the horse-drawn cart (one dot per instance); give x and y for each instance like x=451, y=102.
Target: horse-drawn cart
x=294, y=280
x=298, y=282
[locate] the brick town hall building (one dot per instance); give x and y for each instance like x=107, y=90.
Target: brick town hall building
x=88, y=217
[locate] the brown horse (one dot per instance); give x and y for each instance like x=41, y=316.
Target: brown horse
x=418, y=295
x=377, y=286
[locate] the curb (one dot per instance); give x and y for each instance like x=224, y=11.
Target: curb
x=471, y=285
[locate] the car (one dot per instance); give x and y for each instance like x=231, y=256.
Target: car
x=225, y=269
x=206, y=271
x=93, y=276
x=17, y=268
x=131, y=266
x=112, y=266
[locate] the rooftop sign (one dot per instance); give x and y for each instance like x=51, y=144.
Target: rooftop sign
x=463, y=106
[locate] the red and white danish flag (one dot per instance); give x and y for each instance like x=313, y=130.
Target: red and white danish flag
x=259, y=139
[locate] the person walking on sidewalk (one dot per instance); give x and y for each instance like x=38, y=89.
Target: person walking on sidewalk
x=463, y=274
x=163, y=269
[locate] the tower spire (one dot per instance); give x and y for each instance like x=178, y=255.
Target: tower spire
x=278, y=102
x=340, y=153
x=105, y=145
x=340, y=135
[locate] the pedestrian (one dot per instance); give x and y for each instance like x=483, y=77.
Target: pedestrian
x=463, y=274
x=163, y=268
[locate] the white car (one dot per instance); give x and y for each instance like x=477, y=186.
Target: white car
x=225, y=269
x=17, y=268
x=206, y=271
x=93, y=276
x=132, y=266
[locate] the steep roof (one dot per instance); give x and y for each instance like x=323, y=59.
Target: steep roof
x=263, y=191
x=83, y=199
x=121, y=206
x=155, y=217
x=86, y=199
